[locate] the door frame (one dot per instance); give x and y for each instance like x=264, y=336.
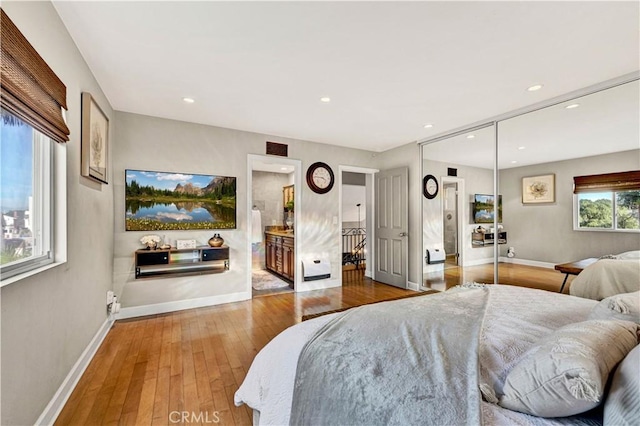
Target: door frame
x=297, y=181
x=370, y=212
x=461, y=213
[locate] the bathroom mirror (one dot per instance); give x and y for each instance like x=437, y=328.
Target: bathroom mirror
x=463, y=166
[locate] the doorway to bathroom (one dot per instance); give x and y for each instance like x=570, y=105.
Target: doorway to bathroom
x=272, y=223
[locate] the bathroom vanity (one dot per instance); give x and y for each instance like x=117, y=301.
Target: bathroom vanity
x=280, y=253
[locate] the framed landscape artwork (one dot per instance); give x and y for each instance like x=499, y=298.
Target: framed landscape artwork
x=164, y=201
x=95, y=140
x=539, y=189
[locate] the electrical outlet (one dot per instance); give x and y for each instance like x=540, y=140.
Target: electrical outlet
x=109, y=297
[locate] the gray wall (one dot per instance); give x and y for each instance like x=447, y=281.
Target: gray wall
x=148, y=143
x=544, y=232
x=49, y=318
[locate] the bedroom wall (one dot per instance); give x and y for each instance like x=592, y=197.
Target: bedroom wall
x=48, y=319
x=148, y=143
x=476, y=181
x=544, y=232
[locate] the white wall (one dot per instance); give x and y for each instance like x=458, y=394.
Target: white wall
x=49, y=319
x=148, y=143
x=351, y=196
x=544, y=232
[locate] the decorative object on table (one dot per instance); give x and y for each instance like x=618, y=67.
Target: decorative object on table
x=539, y=189
x=320, y=178
x=178, y=201
x=216, y=241
x=185, y=244
x=430, y=186
x=151, y=241
x=95, y=140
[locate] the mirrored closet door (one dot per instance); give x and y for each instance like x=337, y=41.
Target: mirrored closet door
x=539, y=155
x=504, y=208
x=457, y=170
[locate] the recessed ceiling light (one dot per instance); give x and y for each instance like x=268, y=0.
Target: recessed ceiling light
x=471, y=136
x=188, y=100
x=514, y=161
x=522, y=147
x=534, y=87
x=284, y=168
x=572, y=106
x=428, y=126
x=325, y=99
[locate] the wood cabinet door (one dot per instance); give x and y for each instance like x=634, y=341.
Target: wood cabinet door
x=287, y=262
x=270, y=255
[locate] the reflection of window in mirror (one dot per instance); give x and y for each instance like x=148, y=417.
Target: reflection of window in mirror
x=607, y=201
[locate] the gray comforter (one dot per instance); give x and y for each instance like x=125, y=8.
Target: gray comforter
x=342, y=378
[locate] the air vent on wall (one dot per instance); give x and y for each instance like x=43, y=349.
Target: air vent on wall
x=274, y=148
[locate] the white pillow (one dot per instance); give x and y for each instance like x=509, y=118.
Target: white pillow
x=566, y=372
x=622, y=406
x=625, y=306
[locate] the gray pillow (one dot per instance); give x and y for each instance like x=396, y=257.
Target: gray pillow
x=625, y=306
x=565, y=373
x=622, y=406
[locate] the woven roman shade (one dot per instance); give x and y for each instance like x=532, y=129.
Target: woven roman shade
x=29, y=88
x=623, y=181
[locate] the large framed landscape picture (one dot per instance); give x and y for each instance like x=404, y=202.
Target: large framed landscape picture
x=177, y=201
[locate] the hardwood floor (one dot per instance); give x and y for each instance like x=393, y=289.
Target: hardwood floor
x=192, y=362
x=150, y=368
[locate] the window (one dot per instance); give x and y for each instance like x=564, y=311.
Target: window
x=25, y=197
x=608, y=202
x=31, y=122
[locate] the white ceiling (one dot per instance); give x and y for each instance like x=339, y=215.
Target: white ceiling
x=388, y=67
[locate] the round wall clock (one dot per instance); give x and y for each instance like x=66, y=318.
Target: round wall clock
x=430, y=186
x=320, y=178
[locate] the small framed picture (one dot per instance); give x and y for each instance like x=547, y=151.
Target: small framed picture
x=539, y=189
x=95, y=140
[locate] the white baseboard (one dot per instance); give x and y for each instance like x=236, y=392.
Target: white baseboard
x=53, y=409
x=181, y=305
x=526, y=262
x=413, y=286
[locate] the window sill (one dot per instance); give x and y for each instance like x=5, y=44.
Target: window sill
x=620, y=231
x=30, y=273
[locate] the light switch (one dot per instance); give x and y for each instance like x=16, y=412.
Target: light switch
x=335, y=220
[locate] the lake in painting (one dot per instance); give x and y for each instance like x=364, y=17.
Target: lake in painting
x=177, y=201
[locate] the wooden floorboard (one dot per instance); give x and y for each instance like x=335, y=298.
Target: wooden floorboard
x=193, y=361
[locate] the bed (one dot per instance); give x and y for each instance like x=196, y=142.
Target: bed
x=448, y=358
x=610, y=275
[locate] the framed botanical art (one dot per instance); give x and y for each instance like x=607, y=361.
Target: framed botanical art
x=95, y=140
x=539, y=189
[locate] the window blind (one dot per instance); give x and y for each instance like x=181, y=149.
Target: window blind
x=608, y=182
x=29, y=88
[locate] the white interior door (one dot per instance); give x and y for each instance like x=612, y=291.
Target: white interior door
x=392, y=224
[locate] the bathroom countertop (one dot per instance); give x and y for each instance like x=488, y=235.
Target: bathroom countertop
x=280, y=233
